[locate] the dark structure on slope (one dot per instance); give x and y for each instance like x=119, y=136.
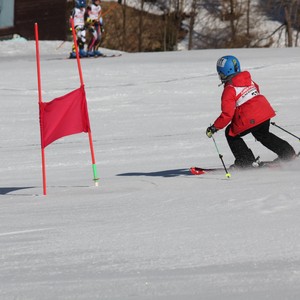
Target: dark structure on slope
x=19, y=16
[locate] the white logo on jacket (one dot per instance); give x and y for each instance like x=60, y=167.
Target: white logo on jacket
x=244, y=94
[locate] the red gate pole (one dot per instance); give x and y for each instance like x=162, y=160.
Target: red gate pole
x=40, y=102
x=95, y=174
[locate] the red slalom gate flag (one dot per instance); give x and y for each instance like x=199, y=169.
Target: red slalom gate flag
x=64, y=116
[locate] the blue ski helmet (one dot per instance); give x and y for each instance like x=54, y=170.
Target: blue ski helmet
x=226, y=66
x=80, y=3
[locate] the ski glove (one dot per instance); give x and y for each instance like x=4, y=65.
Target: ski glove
x=211, y=130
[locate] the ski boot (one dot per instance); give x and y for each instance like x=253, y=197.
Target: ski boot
x=97, y=53
x=72, y=54
x=82, y=53
x=90, y=53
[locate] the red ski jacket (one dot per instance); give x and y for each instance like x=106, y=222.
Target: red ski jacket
x=243, y=105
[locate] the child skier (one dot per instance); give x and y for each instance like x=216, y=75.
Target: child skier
x=95, y=27
x=247, y=111
x=78, y=14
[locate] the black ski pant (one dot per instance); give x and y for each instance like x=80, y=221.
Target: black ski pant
x=244, y=156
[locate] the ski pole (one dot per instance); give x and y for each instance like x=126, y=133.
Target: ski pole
x=273, y=123
x=112, y=7
x=60, y=45
x=228, y=175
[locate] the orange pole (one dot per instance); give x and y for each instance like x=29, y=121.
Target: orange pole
x=96, y=179
x=40, y=102
x=77, y=52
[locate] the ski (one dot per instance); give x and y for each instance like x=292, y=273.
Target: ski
x=72, y=56
x=201, y=171
x=263, y=165
x=109, y=55
x=85, y=58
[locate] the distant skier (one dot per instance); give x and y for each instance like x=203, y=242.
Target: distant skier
x=246, y=111
x=95, y=25
x=78, y=14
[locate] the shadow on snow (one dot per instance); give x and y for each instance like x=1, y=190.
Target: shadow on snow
x=6, y=190
x=165, y=173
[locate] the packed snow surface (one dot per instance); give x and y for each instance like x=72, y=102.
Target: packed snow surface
x=150, y=230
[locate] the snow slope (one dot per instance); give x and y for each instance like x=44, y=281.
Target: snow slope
x=150, y=230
